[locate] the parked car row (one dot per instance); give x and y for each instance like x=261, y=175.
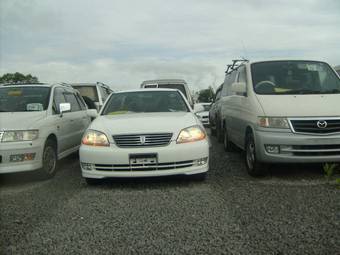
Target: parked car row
x=279, y=112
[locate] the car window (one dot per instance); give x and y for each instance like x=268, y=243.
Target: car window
x=81, y=102
x=71, y=98
x=58, y=98
x=88, y=91
x=23, y=99
x=145, y=101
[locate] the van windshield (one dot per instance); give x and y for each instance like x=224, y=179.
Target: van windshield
x=294, y=77
x=24, y=99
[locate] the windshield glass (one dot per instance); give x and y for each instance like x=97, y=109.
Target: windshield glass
x=180, y=87
x=294, y=77
x=22, y=99
x=146, y=101
x=88, y=91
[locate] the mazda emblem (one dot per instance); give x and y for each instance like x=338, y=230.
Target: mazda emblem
x=321, y=124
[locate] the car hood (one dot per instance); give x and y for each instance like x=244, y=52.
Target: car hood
x=300, y=105
x=20, y=120
x=139, y=123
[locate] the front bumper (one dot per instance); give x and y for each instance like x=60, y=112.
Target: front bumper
x=114, y=161
x=19, y=148
x=297, y=148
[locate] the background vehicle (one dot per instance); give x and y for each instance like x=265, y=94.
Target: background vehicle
x=202, y=112
x=282, y=111
x=144, y=133
x=215, y=114
x=179, y=84
x=40, y=123
x=94, y=94
x=337, y=69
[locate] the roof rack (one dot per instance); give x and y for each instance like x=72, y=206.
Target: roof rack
x=235, y=65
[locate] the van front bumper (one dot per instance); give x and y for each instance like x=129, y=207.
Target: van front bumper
x=21, y=156
x=288, y=147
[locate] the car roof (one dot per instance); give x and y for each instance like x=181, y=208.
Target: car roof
x=164, y=81
x=26, y=85
x=283, y=59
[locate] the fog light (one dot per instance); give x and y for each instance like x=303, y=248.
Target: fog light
x=201, y=161
x=87, y=166
x=274, y=149
x=22, y=157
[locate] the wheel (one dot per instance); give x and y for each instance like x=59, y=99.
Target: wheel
x=92, y=181
x=49, y=160
x=219, y=133
x=254, y=167
x=227, y=144
x=199, y=177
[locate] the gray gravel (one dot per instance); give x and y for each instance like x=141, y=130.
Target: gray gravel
x=291, y=211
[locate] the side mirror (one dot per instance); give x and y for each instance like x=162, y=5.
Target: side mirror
x=92, y=113
x=64, y=107
x=239, y=88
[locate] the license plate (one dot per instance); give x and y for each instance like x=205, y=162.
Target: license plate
x=136, y=159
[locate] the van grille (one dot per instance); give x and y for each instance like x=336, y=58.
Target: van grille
x=142, y=140
x=144, y=167
x=316, y=126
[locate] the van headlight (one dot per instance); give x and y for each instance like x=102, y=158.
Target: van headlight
x=95, y=138
x=191, y=134
x=273, y=122
x=19, y=135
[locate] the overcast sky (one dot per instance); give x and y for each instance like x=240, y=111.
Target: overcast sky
x=122, y=43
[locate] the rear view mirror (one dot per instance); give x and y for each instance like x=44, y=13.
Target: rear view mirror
x=64, y=107
x=239, y=88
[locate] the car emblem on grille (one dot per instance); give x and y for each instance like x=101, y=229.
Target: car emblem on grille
x=142, y=139
x=321, y=124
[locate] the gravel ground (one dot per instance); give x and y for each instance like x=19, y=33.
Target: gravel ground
x=290, y=211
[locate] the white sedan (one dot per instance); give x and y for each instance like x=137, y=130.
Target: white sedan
x=145, y=133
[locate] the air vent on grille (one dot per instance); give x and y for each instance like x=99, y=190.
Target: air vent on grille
x=316, y=126
x=142, y=140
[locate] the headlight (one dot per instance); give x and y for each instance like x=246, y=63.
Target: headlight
x=273, y=122
x=191, y=134
x=20, y=135
x=95, y=138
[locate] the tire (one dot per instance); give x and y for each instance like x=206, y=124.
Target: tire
x=199, y=177
x=254, y=167
x=92, y=181
x=227, y=144
x=49, y=160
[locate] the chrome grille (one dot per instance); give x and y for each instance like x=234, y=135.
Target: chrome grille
x=311, y=126
x=142, y=140
x=144, y=167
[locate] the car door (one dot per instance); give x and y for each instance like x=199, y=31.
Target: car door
x=76, y=119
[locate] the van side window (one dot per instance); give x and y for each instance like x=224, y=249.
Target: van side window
x=71, y=98
x=58, y=98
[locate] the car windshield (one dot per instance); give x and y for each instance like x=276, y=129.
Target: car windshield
x=88, y=92
x=145, y=101
x=294, y=77
x=22, y=99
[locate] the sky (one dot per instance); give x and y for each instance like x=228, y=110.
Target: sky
x=122, y=43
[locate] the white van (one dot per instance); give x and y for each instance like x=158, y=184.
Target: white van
x=285, y=111
x=179, y=84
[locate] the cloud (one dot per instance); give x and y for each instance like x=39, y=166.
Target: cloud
x=123, y=43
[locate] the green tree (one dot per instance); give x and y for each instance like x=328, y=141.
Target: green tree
x=206, y=95
x=18, y=78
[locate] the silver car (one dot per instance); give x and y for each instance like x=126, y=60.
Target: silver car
x=40, y=123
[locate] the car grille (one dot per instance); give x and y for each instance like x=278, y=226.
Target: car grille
x=316, y=126
x=316, y=150
x=142, y=140
x=144, y=167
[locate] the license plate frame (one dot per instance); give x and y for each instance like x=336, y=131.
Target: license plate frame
x=143, y=158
